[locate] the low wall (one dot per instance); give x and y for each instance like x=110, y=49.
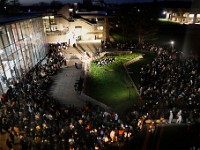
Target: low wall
x=117, y=53
x=125, y=66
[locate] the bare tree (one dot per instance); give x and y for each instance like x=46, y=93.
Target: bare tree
x=14, y=6
x=3, y=6
x=136, y=22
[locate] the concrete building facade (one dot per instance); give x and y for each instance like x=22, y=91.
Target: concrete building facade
x=69, y=26
x=24, y=40
x=183, y=16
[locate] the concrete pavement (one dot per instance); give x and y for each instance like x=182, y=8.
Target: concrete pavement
x=63, y=88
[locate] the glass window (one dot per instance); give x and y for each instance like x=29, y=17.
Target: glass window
x=8, y=51
x=14, y=32
x=27, y=58
x=17, y=69
x=7, y=69
x=15, y=57
x=22, y=28
x=3, y=54
x=19, y=54
x=4, y=37
x=2, y=83
x=25, y=30
x=10, y=34
x=51, y=18
x=191, y=15
x=1, y=42
x=19, y=31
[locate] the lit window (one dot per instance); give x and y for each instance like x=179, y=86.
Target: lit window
x=191, y=15
x=185, y=14
x=46, y=17
x=100, y=36
x=51, y=17
x=100, y=28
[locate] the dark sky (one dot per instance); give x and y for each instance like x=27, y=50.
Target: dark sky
x=80, y=1
x=73, y=1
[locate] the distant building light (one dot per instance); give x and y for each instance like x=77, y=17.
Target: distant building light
x=164, y=12
x=191, y=15
x=70, y=10
x=100, y=28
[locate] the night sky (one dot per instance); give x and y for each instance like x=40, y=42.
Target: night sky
x=73, y=1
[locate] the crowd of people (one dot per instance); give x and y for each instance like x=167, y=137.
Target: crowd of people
x=173, y=80
x=104, y=61
x=169, y=84
x=31, y=119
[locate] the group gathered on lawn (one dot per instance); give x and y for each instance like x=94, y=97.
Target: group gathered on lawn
x=31, y=119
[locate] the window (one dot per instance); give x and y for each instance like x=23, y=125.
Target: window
x=9, y=33
x=51, y=18
x=4, y=37
x=191, y=15
x=100, y=28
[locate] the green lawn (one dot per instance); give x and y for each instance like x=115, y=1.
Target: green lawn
x=111, y=85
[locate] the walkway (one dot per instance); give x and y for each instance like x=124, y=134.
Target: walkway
x=63, y=86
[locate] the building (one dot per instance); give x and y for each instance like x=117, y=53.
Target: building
x=183, y=15
x=22, y=46
x=24, y=40
x=71, y=26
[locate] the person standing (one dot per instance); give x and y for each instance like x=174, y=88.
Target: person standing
x=170, y=117
x=4, y=140
x=179, y=115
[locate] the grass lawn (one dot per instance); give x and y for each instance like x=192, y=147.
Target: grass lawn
x=111, y=85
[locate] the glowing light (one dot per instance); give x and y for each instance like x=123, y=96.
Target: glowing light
x=164, y=12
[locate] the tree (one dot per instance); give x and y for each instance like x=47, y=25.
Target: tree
x=15, y=2
x=138, y=22
x=3, y=6
x=14, y=6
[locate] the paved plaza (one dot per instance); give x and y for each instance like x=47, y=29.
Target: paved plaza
x=63, y=88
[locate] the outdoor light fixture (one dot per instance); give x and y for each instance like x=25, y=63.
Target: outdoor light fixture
x=172, y=44
x=164, y=12
x=70, y=10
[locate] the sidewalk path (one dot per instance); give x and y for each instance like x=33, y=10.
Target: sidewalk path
x=63, y=89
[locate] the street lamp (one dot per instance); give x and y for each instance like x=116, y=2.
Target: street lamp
x=172, y=45
x=164, y=12
x=71, y=12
